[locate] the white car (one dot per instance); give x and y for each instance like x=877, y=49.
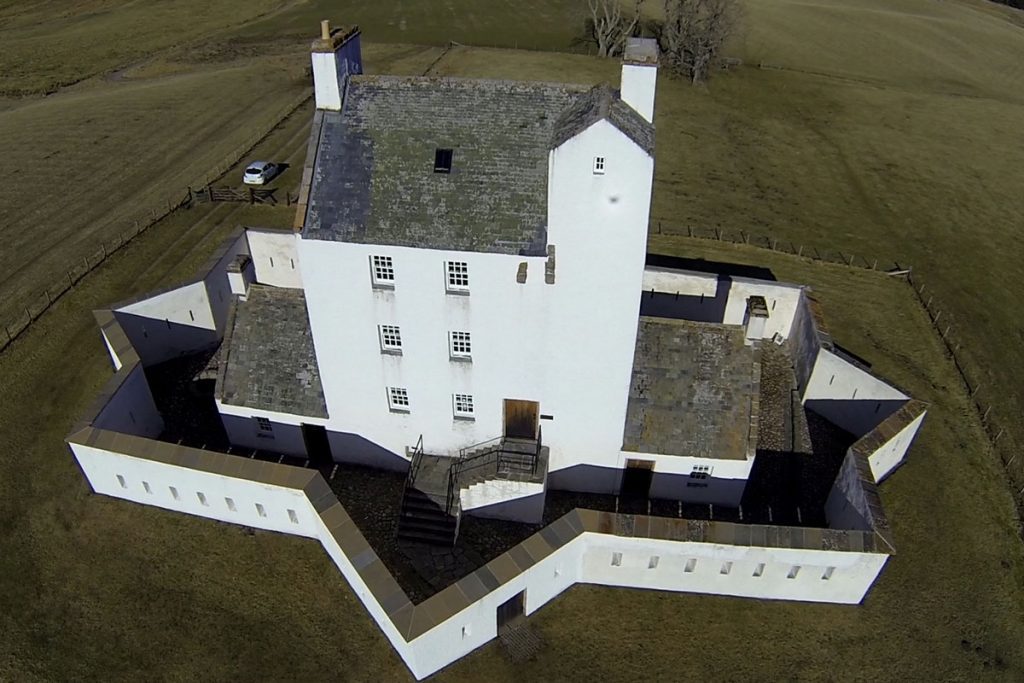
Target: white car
x=259, y=172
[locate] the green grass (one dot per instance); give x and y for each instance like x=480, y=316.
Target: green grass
x=893, y=130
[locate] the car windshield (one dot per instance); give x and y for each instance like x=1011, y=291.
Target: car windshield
x=254, y=170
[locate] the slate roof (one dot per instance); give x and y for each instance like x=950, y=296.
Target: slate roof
x=268, y=361
x=374, y=180
x=692, y=392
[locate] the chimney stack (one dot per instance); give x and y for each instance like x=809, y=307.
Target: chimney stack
x=640, y=75
x=336, y=55
x=756, y=318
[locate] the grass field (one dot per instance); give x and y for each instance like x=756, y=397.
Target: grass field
x=891, y=130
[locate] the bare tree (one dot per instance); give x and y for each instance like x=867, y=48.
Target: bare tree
x=693, y=33
x=609, y=28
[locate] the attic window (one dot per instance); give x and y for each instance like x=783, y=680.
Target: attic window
x=443, y=160
x=598, y=165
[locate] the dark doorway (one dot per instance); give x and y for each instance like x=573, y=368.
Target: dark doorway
x=521, y=419
x=318, y=447
x=512, y=611
x=636, y=479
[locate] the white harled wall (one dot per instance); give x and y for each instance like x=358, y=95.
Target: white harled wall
x=568, y=345
x=275, y=257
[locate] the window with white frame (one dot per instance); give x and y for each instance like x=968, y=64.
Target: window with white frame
x=462, y=406
x=390, y=338
x=460, y=345
x=698, y=476
x=398, y=399
x=458, y=276
x=264, y=428
x=382, y=269
x=598, y=165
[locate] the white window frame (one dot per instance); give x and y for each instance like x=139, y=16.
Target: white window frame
x=456, y=277
x=460, y=345
x=382, y=271
x=264, y=428
x=599, y=165
x=390, y=337
x=462, y=407
x=398, y=399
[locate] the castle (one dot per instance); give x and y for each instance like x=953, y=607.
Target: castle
x=466, y=300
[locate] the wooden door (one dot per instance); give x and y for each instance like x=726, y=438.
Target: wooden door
x=521, y=418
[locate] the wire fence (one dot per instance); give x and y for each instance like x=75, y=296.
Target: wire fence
x=14, y=327
x=996, y=424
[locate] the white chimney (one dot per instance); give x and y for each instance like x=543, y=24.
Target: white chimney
x=336, y=55
x=241, y=274
x=755, y=318
x=640, y=75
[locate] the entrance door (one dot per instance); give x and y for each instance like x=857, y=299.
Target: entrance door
x=511, y=611
x=318, y=446
x=636, y=479
x=521, y=419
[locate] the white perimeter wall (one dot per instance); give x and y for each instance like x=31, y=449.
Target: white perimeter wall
x=276, y=258
x=587, y=559
x=891, y=454
x=849, y=397
x=782, y=299
x=131, y=409
x=568, y=345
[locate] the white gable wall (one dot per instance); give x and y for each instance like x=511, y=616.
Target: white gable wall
x=276, y=258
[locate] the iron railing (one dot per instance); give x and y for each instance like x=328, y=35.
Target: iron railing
x=483, y=458
x=414, y=464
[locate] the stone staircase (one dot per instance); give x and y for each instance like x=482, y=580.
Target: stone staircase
x=431, y=504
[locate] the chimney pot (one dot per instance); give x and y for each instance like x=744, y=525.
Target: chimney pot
x=325, y=29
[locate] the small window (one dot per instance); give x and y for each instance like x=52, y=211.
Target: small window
x=598, y=165
x=794, y=570
x=390, y=338
x=264, y=425
x=398, y=399
x=174, y=493
x=462, y=406
x=691, y=564
x=231, y=505
x=726, y=568
x=460, y=345
x=653, y=562
x=146, y=488
x=827, y=574
x=700, y=472
x=202, y=498
x=759, y=569
x=616, y=559
x=466, y=631
x=443, y=160
x=260, y=510
x=458, y=276
x=382, y=271
x=293, y=516
x=120, y=480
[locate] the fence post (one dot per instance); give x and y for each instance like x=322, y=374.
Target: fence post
x=70, y=281
x=801, y=252
x=9, y=337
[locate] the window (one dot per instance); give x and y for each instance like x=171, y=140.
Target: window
x=174, y=493
x=443, y=160
x=260, y=510
x=458, y=276
x=653, y=562
x=390, y=338
x=698, y=476
x=383, y=271
x=264, y=426
x=293, y=516
x=145, y=486
x=231, y=504
x=759, y=569
x=726, y=568
x=460, y=345
x=691, y=564
x=827, y=574
x=794, y=570
x=462, y=406
x=598, y=165
x=398, y=399
x=466, y=631
x=616, y=559
x=120, y=480
x=202, y=498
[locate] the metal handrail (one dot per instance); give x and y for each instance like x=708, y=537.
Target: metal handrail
x=464, y=451
x=414, y=462
x=464, y=463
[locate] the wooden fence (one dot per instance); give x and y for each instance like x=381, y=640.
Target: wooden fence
x=248, y=195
